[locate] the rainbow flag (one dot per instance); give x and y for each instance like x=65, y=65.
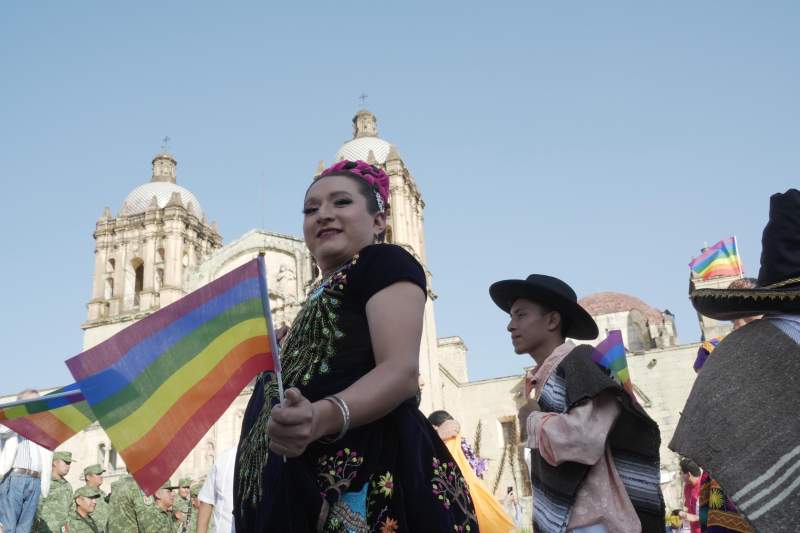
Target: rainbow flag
x=610, y=354
x=47, y=421
x=159, y=385
x=722, y=259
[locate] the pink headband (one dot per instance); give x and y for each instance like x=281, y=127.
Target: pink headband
x=369, y=173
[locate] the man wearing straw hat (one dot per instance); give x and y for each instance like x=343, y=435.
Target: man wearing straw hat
x=740, y=421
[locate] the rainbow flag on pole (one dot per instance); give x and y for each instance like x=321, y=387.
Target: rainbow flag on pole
x=159, y=385
x=722, y=259
x=49, y=421
x=610, y=354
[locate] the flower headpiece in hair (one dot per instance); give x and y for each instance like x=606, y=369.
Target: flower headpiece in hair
x=369, y=173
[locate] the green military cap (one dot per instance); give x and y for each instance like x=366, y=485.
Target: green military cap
x=195, y=489
x=64, y=456
x=93, y=469
x=185, y=482
x=88, y=492
x=168, y=485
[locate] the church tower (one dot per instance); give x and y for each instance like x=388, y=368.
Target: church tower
x=405, y=228
x=405, y=224
x=142, y=253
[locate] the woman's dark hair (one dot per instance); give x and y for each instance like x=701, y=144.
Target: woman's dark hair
x=437, y=418
x=690, y=467
x=366, y=190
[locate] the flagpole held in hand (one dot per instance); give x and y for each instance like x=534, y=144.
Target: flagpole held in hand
x=273, y=340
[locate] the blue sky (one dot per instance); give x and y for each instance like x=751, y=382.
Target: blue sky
x=600, y=142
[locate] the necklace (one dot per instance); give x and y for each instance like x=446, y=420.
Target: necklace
x=335, y=280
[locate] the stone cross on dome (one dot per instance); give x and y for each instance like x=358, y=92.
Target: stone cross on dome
x=363, y=99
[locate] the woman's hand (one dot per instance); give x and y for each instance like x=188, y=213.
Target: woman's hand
x=280, y=334
x=448, y=429
x=291, y=426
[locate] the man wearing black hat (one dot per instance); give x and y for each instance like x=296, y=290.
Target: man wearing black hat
x=740, y=421
x=594, y=451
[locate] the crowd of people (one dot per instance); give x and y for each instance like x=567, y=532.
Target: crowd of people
x=28, y=503
x=346, y=448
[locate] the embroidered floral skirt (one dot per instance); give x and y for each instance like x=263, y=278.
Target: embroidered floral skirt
x=392, y=476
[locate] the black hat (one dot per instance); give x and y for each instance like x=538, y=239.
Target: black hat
x=778, y=288
x=551, y=292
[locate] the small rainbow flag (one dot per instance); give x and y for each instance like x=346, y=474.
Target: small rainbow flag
x=49, y=421
x=159, y=385
x=722, y=259
x=610, y=354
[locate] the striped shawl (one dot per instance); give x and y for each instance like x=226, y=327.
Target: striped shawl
x=741, y=424
x=634, y=442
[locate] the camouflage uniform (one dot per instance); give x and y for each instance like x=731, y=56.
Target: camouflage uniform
x=78, y=524
x=156, y=520
x=127, y=505
x=102, y=510
x=181, y=505
x=51, y=516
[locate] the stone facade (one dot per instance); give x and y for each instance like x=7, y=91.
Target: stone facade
x=157, y=250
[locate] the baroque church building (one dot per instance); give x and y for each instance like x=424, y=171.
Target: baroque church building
x=160, y=247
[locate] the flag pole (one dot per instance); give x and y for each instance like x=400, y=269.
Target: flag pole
x=54, y=396
x=738, y=253
x=273, y=341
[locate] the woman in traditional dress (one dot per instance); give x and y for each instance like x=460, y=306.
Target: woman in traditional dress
x=347, y=450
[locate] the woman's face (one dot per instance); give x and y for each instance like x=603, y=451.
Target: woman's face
x=336, y=222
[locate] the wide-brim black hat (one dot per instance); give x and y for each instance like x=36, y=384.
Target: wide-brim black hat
x=550, y=292
x=778, y=289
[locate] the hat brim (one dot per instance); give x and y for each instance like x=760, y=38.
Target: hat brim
x=730, y=304
x=581, y=324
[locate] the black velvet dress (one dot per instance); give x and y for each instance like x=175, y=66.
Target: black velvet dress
x=391, y=476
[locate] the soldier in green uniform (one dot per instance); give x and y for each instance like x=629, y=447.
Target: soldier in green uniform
x=158, y=518
x=128, y=505
x=80, y=519
x=94, y=478
x=182, y=504
x=191, y=518
x=52, y=512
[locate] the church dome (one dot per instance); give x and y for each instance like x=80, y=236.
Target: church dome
x=605, y=303
x=360, y=148
x=162, y=185
x=365, y=140
x=139, y=198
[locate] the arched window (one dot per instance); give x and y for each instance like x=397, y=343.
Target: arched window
x=138, y=284
x=112, y=459
x=134, y=282
x=108, y=292
x=110, y=265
